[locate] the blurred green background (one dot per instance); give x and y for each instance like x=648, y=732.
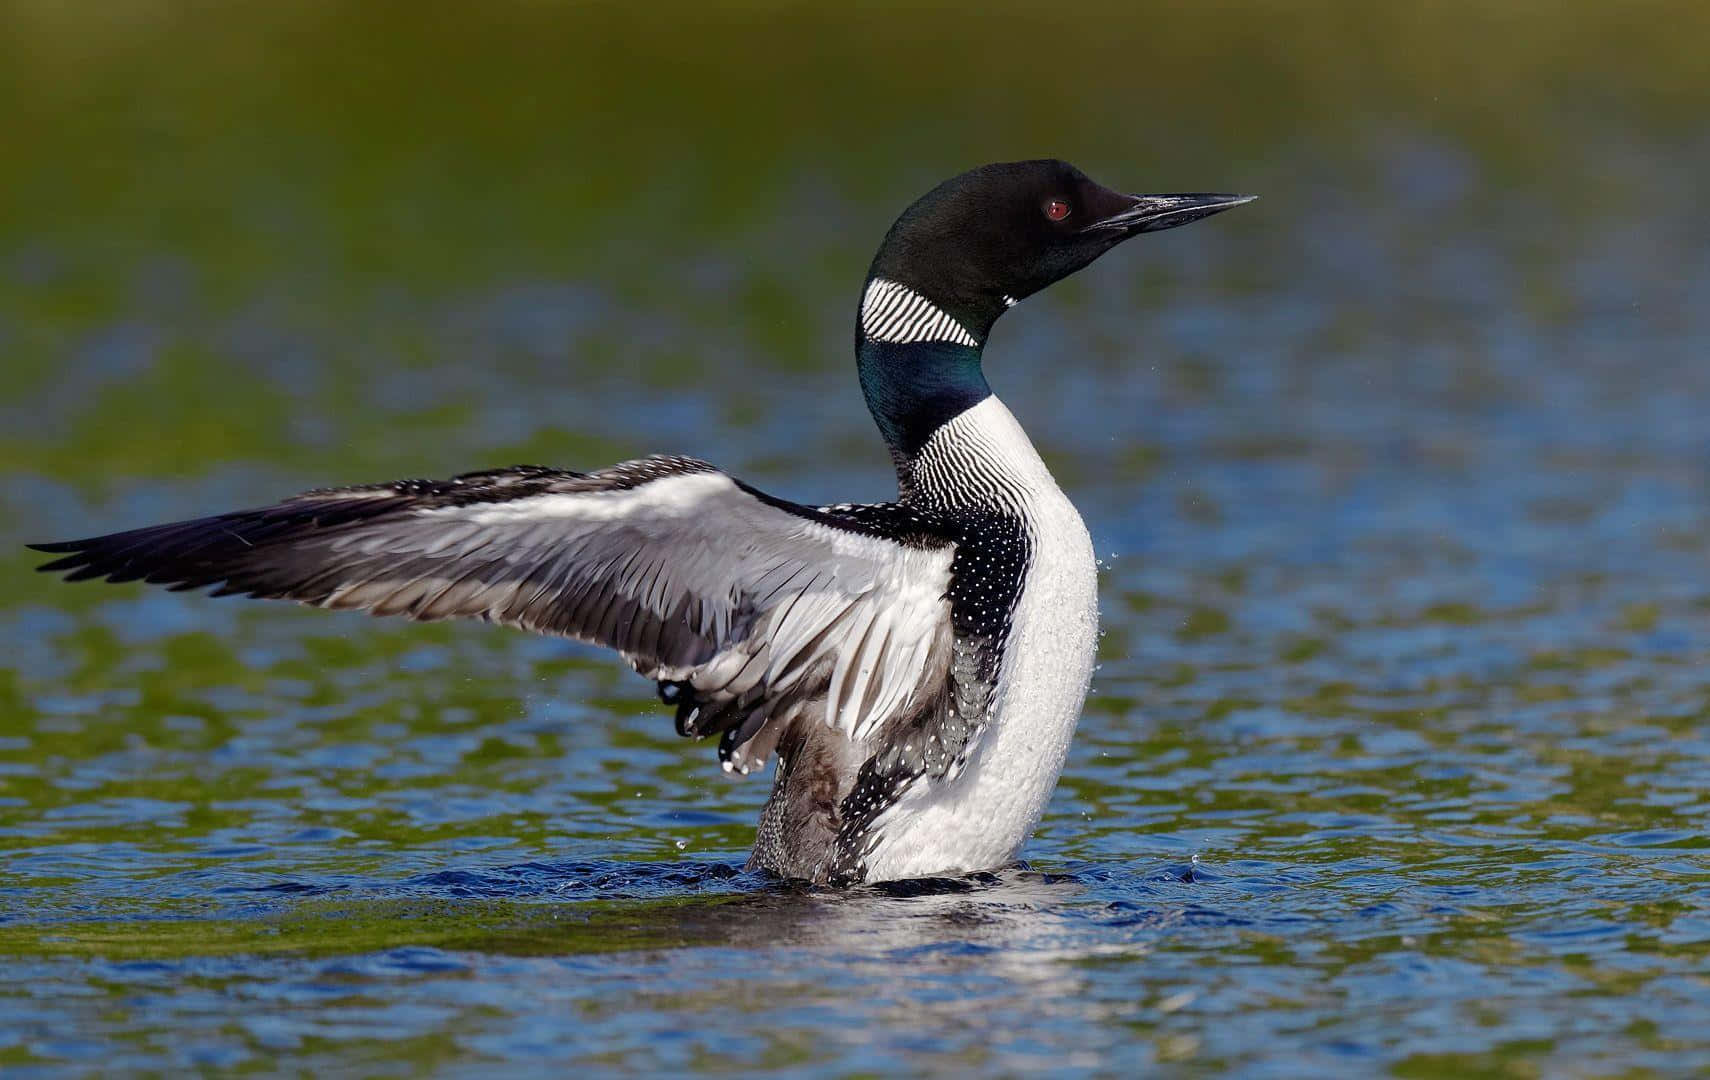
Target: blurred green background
x=347, y=166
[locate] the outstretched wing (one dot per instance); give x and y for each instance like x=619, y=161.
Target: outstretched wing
x=748, y=609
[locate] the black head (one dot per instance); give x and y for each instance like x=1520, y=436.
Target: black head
x=981, y=241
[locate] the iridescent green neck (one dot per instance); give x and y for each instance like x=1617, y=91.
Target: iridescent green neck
x=914, y=387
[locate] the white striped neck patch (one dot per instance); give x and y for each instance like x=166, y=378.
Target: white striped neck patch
x=896, y=313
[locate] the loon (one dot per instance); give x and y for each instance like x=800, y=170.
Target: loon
x=917, y=667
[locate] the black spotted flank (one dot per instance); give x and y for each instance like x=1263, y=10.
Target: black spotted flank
x=987, y=572
x=905, y=523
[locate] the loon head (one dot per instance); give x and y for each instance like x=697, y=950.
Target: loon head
x=978, y=243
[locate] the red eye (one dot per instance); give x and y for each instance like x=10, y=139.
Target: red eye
x=1056, y=209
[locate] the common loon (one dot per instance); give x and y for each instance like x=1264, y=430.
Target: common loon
x=917, y=667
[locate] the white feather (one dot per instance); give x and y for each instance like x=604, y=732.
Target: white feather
x=981, y=819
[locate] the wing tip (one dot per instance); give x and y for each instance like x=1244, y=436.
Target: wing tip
x=88, y=560
x=72, y=555
x=56, y=547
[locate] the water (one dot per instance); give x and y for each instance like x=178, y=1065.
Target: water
x=1396, y=756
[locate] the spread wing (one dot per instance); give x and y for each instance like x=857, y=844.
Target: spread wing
x=748, y=609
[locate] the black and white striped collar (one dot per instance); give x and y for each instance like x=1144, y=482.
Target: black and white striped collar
x=895, y=313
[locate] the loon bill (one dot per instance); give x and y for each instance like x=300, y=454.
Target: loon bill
x=916, y=667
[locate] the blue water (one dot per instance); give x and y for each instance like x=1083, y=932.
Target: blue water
x=1396, y=757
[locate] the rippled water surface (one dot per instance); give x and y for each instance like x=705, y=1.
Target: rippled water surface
x=1397, y=757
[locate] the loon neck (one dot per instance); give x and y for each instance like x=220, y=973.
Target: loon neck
x=914, y=389
x=919, y=367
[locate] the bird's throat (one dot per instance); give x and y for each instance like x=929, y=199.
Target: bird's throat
x=913, y=388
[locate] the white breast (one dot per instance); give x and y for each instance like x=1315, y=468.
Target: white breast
x=980, y=819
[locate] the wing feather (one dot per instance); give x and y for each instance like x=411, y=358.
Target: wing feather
x=755, y=603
